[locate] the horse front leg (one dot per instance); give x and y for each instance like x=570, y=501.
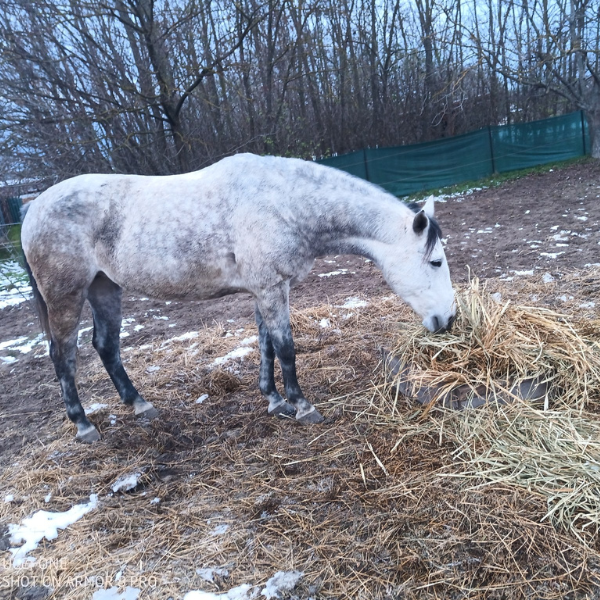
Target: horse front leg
x=266, y=382
x=273, y=307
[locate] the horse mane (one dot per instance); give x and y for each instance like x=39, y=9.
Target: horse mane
x=434, y=231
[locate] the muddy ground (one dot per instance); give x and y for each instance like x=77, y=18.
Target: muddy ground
x=548, y=222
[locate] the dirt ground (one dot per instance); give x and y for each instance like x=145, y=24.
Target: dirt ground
x=542, y=223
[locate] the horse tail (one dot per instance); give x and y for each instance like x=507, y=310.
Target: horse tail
x=40, y=304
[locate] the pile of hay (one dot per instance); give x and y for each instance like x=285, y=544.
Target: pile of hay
x=496, y=348
x=551, y=447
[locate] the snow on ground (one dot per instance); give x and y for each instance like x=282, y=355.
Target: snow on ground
x=113, y=594
x=332, y=273
x=240, y=352
x=43, y=524
x=14, y=284
x=209, y=574
x=282, y=581
x=457, y=196
x=125, y=482
x=23, y=345
x=353, y=302
x=95, y=407
x=241, y=592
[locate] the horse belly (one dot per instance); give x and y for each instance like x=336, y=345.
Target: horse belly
x=176, y=278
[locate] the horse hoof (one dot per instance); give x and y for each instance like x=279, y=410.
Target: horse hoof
x=283, y=411
x=311, y=418
x=149, y=414
x=89, y=437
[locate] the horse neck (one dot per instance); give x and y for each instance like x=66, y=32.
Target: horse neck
x=359, y=223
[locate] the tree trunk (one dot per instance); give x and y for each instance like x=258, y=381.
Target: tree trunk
x=593, y=121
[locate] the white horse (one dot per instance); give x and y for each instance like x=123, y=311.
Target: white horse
x=247, y=223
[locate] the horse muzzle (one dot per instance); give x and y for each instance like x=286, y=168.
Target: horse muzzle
x=439, y=324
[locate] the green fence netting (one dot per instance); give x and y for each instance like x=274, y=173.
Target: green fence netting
x=403, y=170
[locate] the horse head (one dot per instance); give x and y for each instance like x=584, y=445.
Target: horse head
x=418, y=270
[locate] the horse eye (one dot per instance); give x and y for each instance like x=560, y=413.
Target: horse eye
x=436, y=263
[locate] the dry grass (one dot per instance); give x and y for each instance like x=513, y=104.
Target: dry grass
x=385, y=500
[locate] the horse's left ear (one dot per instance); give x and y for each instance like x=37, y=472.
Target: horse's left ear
x=420, y=222
x=428, y=207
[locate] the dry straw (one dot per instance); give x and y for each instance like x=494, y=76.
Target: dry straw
x=499, y=345
x=550, y=448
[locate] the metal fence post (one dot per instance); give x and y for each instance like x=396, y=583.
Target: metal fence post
x=492, y=150
x=583, y=132
x=366, y=164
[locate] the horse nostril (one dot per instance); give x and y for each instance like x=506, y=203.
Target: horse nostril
x=436, y=324
x=450, y=323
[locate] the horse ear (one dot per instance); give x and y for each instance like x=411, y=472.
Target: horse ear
x=420, y=222
x=428, y=208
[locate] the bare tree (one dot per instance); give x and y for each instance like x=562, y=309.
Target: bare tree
x=553, y=47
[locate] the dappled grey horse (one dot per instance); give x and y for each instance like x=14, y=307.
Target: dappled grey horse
x=247, y=223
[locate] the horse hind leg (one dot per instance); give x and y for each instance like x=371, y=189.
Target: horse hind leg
x=63, y=321
x=104, y=297
x=277, y=405
x=273, y=305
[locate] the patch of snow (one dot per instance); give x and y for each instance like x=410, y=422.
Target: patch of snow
x=220, y=529
x=582, y=218
x=497, y=297
x=202, y=399
x=125, y=482
x=209, y=574
x=113, y=594
x=354, y=302
x=8, y=359
x=138, y=327
x=160, y=318
x=8, y=498
x=238, y=352
x=551, y=254
x=24, y=345
x=282, y=581
x=587, y=305
x=324, y=323
x=547, y=278
x=44, y=524
x=332, y=273
x=82, y=331
x=523, y=272
x=48, y=497
x=14, y=284
x=152, y=369
x=190, y=335
x=241, y=592
x=155, y=500
x=92, y=408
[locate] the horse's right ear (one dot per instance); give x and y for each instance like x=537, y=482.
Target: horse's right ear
x=420, y=222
